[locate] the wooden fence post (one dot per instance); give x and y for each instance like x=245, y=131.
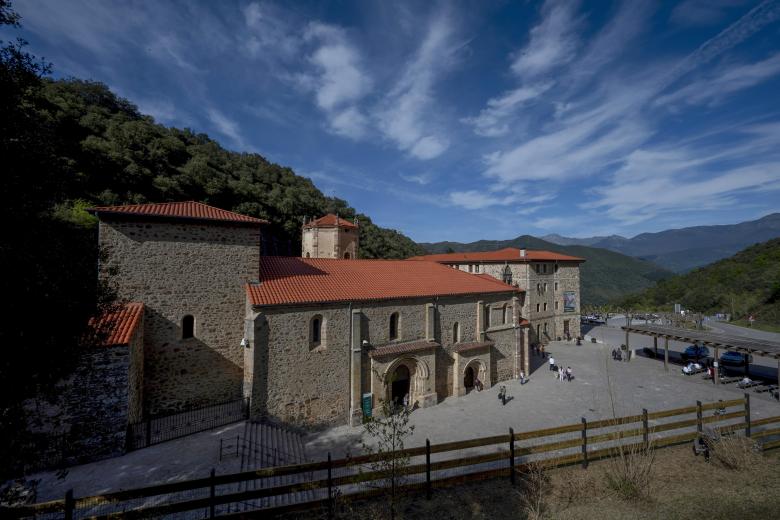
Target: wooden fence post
x=220, y=450
x=645, y=429
x=148, y=433
x=747, y=414
x=512, y=455
x=212, y=492
x=699, y=423
x=584, y=443
x=330, y=487
x=237, y=438
x=248, y=402
x=427, y=469
x=70, y=505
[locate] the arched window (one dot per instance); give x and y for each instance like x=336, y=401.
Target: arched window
x=394, y=326
x=506, y=276
x=456, y=332
x=317, y=332
x=487, y=317
x=504, y=314
x=188, y=326
x=308, y=255
x=346, y=255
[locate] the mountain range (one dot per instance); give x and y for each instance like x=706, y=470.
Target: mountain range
x=605, y=276
x=681, y=250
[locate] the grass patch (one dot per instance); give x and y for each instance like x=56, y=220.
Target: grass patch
x=766, y=327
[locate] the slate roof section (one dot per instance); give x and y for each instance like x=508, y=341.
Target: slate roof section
x=474, y=345
x=292, y=280
x=119, y=325
x=395, y=349
x=508, y=254
x=331, y=220
x=189, y=210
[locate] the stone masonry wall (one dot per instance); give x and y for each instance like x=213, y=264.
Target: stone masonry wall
x=178, y=269
x=291, y=380
x=329, y=242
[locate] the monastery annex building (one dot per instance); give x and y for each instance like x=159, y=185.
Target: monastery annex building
x=320, y=339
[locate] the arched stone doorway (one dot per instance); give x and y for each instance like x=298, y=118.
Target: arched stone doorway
x=400, y=384
x=468, y=379
x=474, y=371
x=406, y=376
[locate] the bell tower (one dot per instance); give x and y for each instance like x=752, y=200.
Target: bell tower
x=330, y=237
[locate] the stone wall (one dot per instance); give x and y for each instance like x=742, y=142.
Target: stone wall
x=290, y=379
x=186, y=268
x=329, y=242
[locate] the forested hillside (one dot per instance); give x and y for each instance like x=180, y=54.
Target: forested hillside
x=605, y=275
x=746, y=283
x=112, y=154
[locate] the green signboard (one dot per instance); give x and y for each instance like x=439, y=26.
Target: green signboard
x=367, y=405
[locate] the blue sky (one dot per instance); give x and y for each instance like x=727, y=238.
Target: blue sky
x=462, y=120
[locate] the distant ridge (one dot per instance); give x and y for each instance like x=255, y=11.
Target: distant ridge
x=683, y=249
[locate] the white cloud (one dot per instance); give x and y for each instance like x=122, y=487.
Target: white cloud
x=702, y=12
x=552, y=223
x=553, y=41
x=404, y=115
x=419, y=178
x=492, y=120
x=472, y=199
x=226, y=126
x=715, y=87
x=337, y=79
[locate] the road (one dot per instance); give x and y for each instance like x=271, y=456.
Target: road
x=611, y=334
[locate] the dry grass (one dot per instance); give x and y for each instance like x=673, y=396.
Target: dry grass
x=534, y=486
x=684, y=487
x=735, y=452
x=629, y=473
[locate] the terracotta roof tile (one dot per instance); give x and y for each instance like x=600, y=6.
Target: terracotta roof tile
x=402, y=348
x=179, y=210
x=475, y=345
x=119, y=325
x=331, y=220
x=290, y=280
x=509, y=254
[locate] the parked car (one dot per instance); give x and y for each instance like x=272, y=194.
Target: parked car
x=695, y=352
x=734, y=359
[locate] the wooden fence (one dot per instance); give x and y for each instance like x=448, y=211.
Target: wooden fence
x=314, y=485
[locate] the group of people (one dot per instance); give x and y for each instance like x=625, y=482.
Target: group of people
x=561, y=374
x=537, y=349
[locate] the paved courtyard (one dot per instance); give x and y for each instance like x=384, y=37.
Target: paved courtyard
x=541, y=402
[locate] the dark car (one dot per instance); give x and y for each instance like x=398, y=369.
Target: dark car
x=734, y=359
x=695, y=353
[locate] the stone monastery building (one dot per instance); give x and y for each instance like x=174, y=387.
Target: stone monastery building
x=325, y=338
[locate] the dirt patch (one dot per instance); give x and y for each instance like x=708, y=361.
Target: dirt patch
x=682, y=487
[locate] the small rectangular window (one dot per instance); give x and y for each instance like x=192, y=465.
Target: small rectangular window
x=556, y=305
x=556, y=286
x=545, y=306
x=537, y=307
x=545, y=287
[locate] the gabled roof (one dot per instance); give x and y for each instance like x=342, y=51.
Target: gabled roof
x=509, y=254
x=331, y=220
x=189, y=210
x=292, y=280
x=118, y=326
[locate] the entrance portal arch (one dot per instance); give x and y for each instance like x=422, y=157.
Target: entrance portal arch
x=405, y=376
x=473, y=371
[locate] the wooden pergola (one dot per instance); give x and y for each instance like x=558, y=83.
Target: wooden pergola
x=758, y=347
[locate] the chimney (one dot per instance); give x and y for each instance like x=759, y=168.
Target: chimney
x=522, y=252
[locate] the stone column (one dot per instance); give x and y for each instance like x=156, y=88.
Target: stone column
x=457, y=387
x=430, y=322
x=526, y=363
x=480, y=321
x=356, y=351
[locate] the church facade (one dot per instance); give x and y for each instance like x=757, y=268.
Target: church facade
x=318, y=340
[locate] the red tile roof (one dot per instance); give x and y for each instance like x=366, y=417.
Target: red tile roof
x=331, y=220
x=395, y=349
x=179, y=210
x=509, y=254
x=290, y=280
x=118, y=326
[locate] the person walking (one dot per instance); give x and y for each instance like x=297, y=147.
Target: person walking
x=552, y=363
x=522, y=378
x=568, y=374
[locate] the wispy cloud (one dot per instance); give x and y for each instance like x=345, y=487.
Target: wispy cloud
x=405, y=115
x=553, y=41
x=226, y=126
x=702, y=12
x=492, y=120
x=715, y=87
